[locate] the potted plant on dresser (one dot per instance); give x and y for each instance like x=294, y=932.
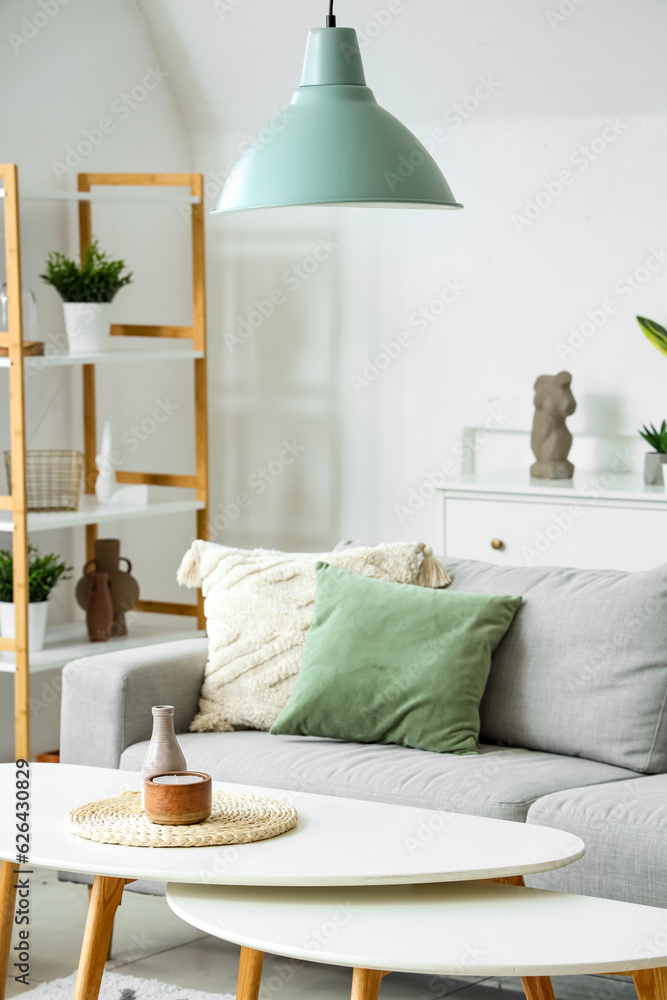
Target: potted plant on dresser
x=655, y=460
x=87, y=291
x=44, y=572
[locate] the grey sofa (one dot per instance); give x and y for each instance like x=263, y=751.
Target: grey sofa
x=574, y=726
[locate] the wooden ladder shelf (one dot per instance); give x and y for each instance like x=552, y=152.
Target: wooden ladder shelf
x=13, y=337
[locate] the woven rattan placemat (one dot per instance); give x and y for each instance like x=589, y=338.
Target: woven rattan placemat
x=235, y=819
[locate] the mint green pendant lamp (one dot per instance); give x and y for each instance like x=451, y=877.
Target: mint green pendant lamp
x=334, y=144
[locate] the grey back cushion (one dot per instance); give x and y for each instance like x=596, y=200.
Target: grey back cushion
x=582, y=669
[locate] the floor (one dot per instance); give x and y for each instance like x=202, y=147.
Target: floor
x=149, y=941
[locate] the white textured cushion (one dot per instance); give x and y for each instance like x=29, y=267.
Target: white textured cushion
x=259, y=606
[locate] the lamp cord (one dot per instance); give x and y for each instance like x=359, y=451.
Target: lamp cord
x=331, y=17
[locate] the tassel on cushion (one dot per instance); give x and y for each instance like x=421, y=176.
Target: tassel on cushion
x=189, y=572
x=431, y=572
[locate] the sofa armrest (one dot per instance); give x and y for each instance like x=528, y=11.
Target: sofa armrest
x=107, y=699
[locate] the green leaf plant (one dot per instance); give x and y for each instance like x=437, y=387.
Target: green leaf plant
x=658, y=337
x=44, y=572
x=96, y=279
x=656, y=438
x=655, y=333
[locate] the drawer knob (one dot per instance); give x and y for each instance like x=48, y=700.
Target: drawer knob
x=497, y=544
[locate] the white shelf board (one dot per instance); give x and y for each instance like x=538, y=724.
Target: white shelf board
x=121, y=194
x=70, y=642
x=39, y=362
x=92, y=512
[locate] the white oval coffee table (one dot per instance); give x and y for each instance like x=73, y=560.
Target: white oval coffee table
x=463, y=928
x=337, y=842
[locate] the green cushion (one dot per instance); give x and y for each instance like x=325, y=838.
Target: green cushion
x=393, y=663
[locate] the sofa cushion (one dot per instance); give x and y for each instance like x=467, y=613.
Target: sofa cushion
x=499, y=782
x=582, y=670
x=259, y=606
x=624, y=827
x=385, y=663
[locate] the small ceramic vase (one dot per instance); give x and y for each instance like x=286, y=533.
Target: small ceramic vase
x=124, y=588
x=163, y=754
x=100, y=609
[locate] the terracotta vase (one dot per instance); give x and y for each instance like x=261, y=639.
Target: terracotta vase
x=124, y=588
x=164, y=753
x=100, y=608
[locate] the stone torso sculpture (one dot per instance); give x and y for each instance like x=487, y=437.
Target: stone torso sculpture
x=551, y=440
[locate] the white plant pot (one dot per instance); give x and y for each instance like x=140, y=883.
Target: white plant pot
x=88, y=326
x=37, y=614
x=654, y=464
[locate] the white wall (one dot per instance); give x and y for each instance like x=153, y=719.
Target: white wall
x=553, y=81
x=64, y=67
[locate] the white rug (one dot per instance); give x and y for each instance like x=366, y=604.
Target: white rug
x=117, y=987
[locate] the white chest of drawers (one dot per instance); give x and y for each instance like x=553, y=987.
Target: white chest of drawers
x=601, y=520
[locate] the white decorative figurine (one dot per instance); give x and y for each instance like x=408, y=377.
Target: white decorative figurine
x=106, y=477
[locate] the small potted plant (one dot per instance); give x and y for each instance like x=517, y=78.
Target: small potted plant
x=87, y=291
x=654, y=461
x=44, y=572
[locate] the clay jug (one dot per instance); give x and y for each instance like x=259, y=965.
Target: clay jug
x=124, y=588
x=100, y=609
x=163, y=753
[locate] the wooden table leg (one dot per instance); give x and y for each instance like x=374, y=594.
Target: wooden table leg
x=535, y=987
x=651, y=984
x=250, y=974
x=366, y=984
x=90, y=893
x=8, y=877
x=538, y=987
x=104, y=901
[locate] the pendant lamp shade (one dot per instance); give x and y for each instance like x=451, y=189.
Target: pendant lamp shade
x=334, y=144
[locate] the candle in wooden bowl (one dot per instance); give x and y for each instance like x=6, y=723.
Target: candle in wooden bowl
x=178, y=798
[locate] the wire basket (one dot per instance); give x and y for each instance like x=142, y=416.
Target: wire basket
x=53, y=478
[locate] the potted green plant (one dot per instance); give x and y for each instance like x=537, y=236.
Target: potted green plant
x=44, y=572
x=87, y=289
x=655, y=460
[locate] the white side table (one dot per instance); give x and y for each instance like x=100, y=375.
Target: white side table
x=463, y=928
x=598, y=520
